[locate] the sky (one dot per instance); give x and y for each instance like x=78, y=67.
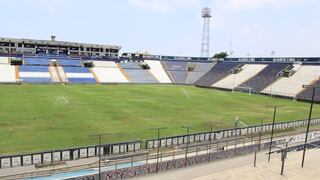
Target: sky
x=252, y=28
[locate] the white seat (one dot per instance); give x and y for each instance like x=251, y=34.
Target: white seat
x=234, y=80
x=109, y=64
x=292, y=86
x=158, y=72
x=4, y=60
x=7, y=73
x=109, y=75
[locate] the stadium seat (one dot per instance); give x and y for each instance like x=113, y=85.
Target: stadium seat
x=306, y=94
x=106, y=64
x=79, y=75
x=109, y=73
x=140, y=76
x=233, y=80
x=130, y=65
x=177, y=71
x=219, y=71
x=69, y=62
x=4, y=60
x=292, y=86
x=34, y=74
x=7, y=73
x=264, y=78
x=157, y=70
x=200, y=69
x=37, y=61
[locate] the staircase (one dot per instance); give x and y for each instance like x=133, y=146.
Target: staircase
x=57, y=74
x=54, y=74
x=62, y=75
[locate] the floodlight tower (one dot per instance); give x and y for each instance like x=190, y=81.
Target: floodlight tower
x=206, y=15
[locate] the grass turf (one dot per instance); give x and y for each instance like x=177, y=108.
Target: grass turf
x=44, y=117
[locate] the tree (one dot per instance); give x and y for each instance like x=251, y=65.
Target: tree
x=221, y=55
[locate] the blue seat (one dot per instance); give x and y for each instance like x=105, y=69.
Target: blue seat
x=69, y=62
x=33, y=68
x=216, y=73
x=36, y=80
x=82, y=80
x=176, y=65
x=76, y=70
x=37, y=61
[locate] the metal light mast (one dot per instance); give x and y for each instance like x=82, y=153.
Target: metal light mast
x=206, y=15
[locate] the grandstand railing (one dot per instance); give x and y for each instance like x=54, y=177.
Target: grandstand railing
x=226, y=133
x=61, y=155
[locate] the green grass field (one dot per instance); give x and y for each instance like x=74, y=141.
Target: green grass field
x=44, y=117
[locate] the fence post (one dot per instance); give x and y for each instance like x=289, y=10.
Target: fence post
x=197, y=150
x=235, y=143
x=251, y=139
x=147, y=158
x=174, y=153
x=244, y=142
x=217, y=146
x=227, y=144
x=283, y=158
x=255, y=158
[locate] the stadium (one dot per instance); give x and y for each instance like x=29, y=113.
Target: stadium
x=64, y=98
x=72, y=110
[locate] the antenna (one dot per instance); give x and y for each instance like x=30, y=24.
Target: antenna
x=206, y=15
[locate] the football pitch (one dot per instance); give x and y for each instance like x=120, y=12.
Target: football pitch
x=44, y=117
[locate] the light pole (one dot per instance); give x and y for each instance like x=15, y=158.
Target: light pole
x=99, y=136
x=272, y=130
x=188, y=139
x=158, y=148
x=260, y=132
x=309, y=119
x=211, y=129
x=233, y=81
x=210, y=137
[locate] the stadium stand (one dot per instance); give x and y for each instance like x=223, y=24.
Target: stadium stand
x=267, y=76
x=79, y=75
x=284, y=77
x=37, y=61
x=234, y=80
x=179, y=77
x=177, y=71
x=176, y=65
x=4, y=60
x=199, y=69
x=307, y=93
x=157, y=70
x=136, y=74
x=68, y=62
x=130, y=65
x=141, y=76
x=219, y=71
x=62, y=75
x=108, y=72
x=55, y=77
x=34, y=74
x=291, y=86
x=7, y=73
x=106, y=64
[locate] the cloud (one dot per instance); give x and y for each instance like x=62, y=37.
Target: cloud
x=163, y=6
